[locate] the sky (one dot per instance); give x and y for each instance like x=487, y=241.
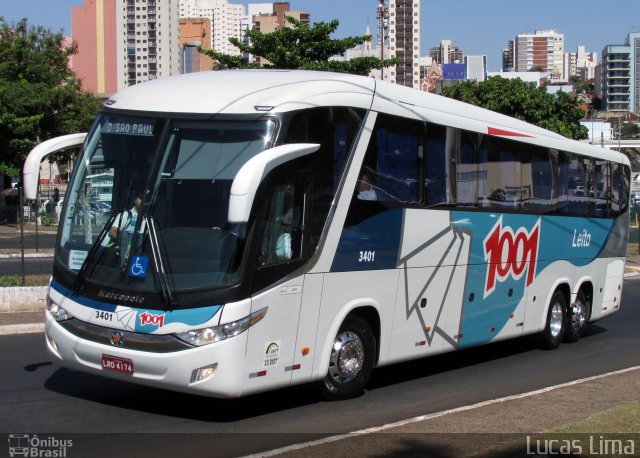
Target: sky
x=475, y=26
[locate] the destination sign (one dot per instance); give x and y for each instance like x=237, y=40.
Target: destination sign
x=129, y=127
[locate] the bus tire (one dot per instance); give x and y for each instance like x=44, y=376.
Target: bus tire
x=351, y=360
x=577, y=318
x=556, y=324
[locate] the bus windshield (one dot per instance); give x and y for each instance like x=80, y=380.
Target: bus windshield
x=147, y=209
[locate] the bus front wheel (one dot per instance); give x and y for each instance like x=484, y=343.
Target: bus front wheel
x=555, y=327
x=351, y=360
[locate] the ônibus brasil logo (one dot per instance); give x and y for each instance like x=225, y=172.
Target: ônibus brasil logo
x=510, y=254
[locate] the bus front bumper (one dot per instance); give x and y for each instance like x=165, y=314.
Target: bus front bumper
x=212, y=370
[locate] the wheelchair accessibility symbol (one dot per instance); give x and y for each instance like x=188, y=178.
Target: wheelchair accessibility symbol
x=138, y=266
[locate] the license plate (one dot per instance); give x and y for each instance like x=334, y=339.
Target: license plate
x=113, y=363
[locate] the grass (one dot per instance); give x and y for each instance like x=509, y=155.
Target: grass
x=620, y=419
x=29, y=280
x=611, y=433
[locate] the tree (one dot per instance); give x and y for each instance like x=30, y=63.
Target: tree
x=629, y=131
x=302, y=47
x=40, y=97
x=513, y=97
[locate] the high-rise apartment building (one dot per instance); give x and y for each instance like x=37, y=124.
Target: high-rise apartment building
x=404, y=36
x=148, y=40
x=508, y=64
x=93, y=28
x=621, y=75
x=446, y=53
x=226, y=20
x=581, y=63
x=253, y=9
x=543, y=49
x=267, y=23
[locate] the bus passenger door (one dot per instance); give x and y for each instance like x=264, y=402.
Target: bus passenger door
x=281, y=249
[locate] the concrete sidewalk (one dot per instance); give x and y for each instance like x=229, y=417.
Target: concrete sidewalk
x=496, y=428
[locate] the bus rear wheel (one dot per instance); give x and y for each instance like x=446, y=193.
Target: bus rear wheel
x=556, y=325
x=351, y=360
x=577, y=317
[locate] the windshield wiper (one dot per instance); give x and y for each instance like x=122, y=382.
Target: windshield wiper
x=89, y=260
x=156, y=252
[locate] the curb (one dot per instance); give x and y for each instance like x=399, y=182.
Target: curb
x=27, y=255
x=22, y=299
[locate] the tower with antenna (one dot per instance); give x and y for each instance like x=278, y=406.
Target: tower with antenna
x=383, y=29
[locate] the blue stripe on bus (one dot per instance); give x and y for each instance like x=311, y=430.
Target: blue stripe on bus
x=189, y=317
x=372, y=244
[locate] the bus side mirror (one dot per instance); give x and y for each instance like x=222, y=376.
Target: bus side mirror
x=31, y=169
x=246, y=182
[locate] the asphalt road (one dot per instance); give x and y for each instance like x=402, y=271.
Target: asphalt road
x=32, y=265
x=39, y=397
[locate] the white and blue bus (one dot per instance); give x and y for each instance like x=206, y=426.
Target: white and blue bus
x=271, y=228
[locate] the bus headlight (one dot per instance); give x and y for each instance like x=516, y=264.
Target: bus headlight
x=57, y=312
x=205, y=336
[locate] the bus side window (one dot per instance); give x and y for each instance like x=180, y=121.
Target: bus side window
x=504, y=177
x=282, y=235
x=436, y=165
x=393, y=159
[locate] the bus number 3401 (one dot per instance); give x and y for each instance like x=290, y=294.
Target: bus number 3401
x=367, y=256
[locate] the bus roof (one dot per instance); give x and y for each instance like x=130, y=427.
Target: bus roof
x=246, y=91
x=277, y=91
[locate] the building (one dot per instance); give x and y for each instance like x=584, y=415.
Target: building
x=599, y=131
x=476, y=67
x=194, y=33
x=542, y=50
x=508, y=64
x=270, y=22
x=404, y=36
x=226, y=21
x=581, y=64
x=93, y=28
x=253, y=9
x=430, y=74
x=446, y=53
x=124, y=42
x=620, y=78
x=147, y=40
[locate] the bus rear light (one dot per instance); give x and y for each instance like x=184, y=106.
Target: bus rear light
x=198, y=375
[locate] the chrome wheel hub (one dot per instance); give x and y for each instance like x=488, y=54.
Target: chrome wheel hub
x=555, y=322
x=579, y=315
x=347, y=357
